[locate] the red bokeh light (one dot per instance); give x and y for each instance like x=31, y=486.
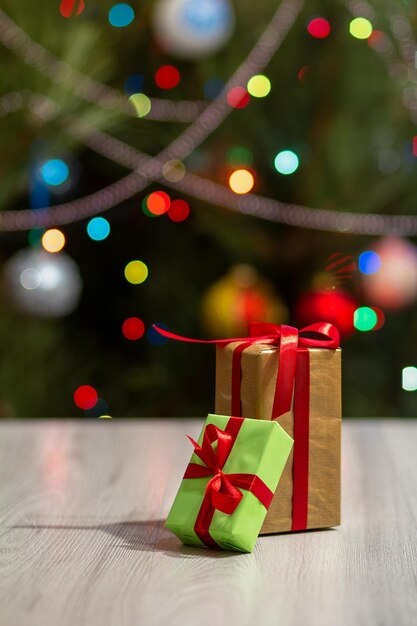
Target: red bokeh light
x=319, y=27
x=67, y=8
x=167, y=77
x=337, y=307
x=133, y=328
x=238, y=97
x=302, y=73
x=178, y=211
x=85, y=397
x=380, y=318
x=158, y=202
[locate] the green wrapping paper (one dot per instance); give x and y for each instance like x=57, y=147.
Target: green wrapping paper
x=259, y=449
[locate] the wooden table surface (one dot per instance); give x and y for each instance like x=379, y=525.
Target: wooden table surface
x=82, y=541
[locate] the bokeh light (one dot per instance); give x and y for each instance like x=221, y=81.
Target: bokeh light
x=259, y=86
x=178, y=211
x=173, y=170
x=239, y=155
x=360, y=28
x=238, y=97
x=213, y=87
x=133, y=328
x=121, y=15
x=319, y=27
x=68, y=8
x=154, y=337
x=136, y=272
x=134, y=84
x=140, y=103
x=54, y=172
x=286, y=162
x=369, y=262
x=145, y=207
x=158, y=202
x=53, y=240
x=98, y=228
x=85, y=397
x=241, y=181
x=98, y=410
x=365, y=318
x=35, y=236
x=302, y=73
x=409, y=378
x=167, y=77
x=30, y=278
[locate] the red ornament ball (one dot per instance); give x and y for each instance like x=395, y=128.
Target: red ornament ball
x=319, y=28
x=167, y=77
x=133, y=328
x=85, y=397
x=336, y=307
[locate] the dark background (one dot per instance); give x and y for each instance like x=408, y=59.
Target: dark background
x=349, y=119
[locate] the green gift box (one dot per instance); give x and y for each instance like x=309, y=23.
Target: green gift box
x=229, y=483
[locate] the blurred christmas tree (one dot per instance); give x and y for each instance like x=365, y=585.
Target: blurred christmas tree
x=90, y=92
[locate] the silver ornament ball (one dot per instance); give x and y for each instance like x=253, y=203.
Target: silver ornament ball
x=42, y=283
x=193, y=29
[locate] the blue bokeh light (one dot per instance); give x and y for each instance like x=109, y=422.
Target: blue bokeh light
x=54, y=172
x=369, y=262
x=134, y=84
x=212, y=87
x=121, y=15
x=100, y=408
x=155, y=338
x=98, y=228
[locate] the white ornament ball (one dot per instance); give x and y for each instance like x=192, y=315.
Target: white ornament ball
x=193, y=29
x=394, y=285
x=41, y=283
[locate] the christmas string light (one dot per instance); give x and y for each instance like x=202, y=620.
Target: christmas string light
x=206, y=190
x=303, y=216
x=89, y=89
x=213, y=115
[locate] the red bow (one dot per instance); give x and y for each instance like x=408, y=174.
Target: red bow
x=222, y=492
x=288, y=338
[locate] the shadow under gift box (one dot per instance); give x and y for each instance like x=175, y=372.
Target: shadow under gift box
x=259, y=365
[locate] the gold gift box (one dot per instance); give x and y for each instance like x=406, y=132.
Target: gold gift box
x=259, y=366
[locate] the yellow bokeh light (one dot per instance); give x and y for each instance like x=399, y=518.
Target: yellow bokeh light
x=136, y=272
x=241, y=181
x=361, y=28
x=53, y=240
x=259, y=86
x=174, y=171
x=141, y=104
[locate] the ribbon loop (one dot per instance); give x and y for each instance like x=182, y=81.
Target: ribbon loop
x=215, y=447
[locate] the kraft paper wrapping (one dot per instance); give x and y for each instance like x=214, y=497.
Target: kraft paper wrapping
x=259, y=372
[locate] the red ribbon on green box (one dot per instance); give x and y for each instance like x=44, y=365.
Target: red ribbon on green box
x=293, y=379
x=222, y=491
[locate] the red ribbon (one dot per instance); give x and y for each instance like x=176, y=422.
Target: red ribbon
x=222, y=490
x=293, y=379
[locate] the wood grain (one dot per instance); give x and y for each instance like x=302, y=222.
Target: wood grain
x=82, y=541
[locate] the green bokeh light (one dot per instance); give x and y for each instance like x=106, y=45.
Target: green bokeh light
x=365, y=318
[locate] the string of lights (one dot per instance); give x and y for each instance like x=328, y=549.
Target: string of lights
x=182, y=146
x=89, y=89
x=208, y=191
